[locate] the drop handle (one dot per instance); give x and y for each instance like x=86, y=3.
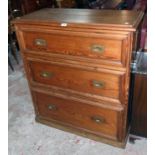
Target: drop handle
x=97, y=119
x=52, y=107
x=97, y=48
x=40, y=42
x=98, y=84
x=46, y=74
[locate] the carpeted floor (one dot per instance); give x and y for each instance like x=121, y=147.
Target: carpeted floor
x=26, y=137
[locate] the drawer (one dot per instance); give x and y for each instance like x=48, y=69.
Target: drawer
x=98, y=83
x=89, y=46
x=97, y=120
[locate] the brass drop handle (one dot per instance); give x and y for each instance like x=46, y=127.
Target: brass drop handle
x=52, y=107
x=46, y=74
x=40, y=42
x=98, y=119
x=97, y=48
x=98, y=84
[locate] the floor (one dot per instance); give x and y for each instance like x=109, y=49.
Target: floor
x=26, y=137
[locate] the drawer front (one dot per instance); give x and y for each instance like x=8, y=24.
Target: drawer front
x=84, y=46
x=98, y=83
x=84, y=116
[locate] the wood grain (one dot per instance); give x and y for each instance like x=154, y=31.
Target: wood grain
x=79, y=115
x=68, y=77
x=70, y=84
x=139, y=106
x=113, y=18
x=71, y=44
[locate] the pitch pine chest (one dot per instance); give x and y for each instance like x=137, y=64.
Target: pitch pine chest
x=77, y=63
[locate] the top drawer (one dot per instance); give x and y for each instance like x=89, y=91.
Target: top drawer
x=88, y=45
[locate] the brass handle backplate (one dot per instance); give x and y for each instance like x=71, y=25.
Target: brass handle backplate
x=40, y=42
x=52, y=107
x=98, y=119
x=98, y=84
x=46, y=74
x=97, y=48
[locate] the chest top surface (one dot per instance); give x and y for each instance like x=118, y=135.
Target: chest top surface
x=114, y=18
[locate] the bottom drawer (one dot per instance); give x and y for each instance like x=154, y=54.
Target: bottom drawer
x=97, y=120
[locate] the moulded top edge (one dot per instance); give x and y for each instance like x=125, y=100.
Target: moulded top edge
x=84, y=18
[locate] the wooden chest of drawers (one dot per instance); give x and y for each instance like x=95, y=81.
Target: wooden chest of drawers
x=78, y=68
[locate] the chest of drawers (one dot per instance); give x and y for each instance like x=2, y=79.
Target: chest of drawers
x=77, y=64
